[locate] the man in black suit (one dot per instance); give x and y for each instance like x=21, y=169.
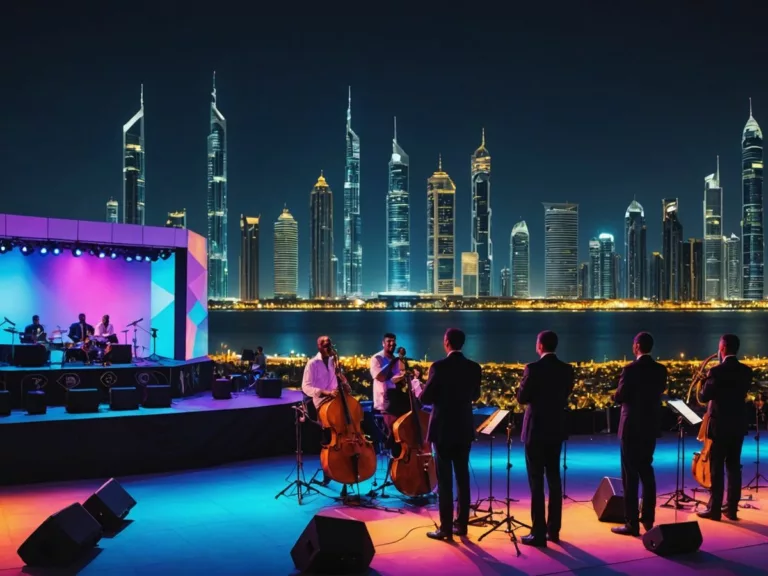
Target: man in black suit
x=452, y=386
x=726, y=390
x=545, y=388
x=641, y=385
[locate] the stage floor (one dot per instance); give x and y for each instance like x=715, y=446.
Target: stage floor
x=226, y=520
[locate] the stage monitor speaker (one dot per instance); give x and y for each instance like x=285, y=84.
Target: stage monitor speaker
x=62, y=539
x=269, y=387
x=670, y=539
x=35, y=402
x=221, y=389
x=608, y=501
x=30, y=355
x=121, y=354
x=157, y=397
x=333, y=546
x=124, y=398
x=109, y=505
x=5, y=403
x=82, y=400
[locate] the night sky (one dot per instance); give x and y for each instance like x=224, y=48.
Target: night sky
x=581, y=101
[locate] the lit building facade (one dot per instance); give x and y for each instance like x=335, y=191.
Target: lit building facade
x=441, y=233
x=733, y=270
x=286, y=256
x=635, y=258
x=113, y=211
x=520, y=260
x=249, y=258
x=321, y=281
x=672, y=249
x=657, y=277
x=594, y=269
x=583, y=281
x=506, y=282
x=752, y=238
x=692, y=280
x=353, y=225
x=218, y=270
x=177, y=219
x=561, y=250
x=481, y=217
x=133, y=167
x=398, y=221
x=714, y=286
x=469, y=274
x=608, y=276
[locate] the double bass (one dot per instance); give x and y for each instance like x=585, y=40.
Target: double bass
x=413, y=471
x=349, y=456
x=700, y=465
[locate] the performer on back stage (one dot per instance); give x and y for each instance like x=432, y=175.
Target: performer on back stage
x=726, y=390
x=545, y=388
x=389, y=398
x=104, y=330
x=80, y=329
x=641, y=385
x=33, y=331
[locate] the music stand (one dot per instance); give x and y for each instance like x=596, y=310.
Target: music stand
x=684, y=416
x=488, y=428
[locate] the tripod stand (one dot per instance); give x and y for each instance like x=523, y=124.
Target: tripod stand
x=154, y=357
x=565, y=474
x=509, y=521
x=678, y=497
x=386, y=454
x=302, y=488
x=754, y=483
x=488, y=428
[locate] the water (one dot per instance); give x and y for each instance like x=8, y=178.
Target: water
x=492, y=336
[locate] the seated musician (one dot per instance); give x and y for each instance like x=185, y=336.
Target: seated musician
x=105, y=329
x=80, y=333
x=34, y=331
x=389, y=397
x=259, y=363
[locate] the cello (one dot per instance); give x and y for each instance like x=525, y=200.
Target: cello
x=349, y=456
x=700, y=464
x=413, y=471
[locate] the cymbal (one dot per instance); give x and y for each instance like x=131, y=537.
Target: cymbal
x=12, y=330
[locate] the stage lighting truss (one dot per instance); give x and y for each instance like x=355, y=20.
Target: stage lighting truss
x=44, y=248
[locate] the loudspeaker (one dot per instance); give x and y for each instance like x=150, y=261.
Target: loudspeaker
x=121, y=354
x=110, y=504
x=30, y=355
x=62, y=538
x=269, y=387
x=82, y=400
x=35, y=402
x=333, y=546
x=5, y=403
x=608, y=501
x=157, y=397
x=669, y=539
x=221, y=389
x=124, y=398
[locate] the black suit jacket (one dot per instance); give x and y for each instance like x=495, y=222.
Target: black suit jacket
x=726, y=386
x=545, y=388
x=74, y=331
x=452, y=386
x=641, y=385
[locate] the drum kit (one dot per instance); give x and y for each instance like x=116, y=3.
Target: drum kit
x=91, y=349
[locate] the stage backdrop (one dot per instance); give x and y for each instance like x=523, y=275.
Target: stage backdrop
x=58, y=288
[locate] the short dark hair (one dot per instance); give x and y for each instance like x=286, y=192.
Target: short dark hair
x=731, y=342
x=548, y=340
x=35, y=317
x=259, y=348
x=456, y=338
x=644, y=341
x=389, y=335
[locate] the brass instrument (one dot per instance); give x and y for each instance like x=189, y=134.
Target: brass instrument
x=698, y=378
x=700, y=467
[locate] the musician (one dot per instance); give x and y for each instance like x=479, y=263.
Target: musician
x=726, y=390
x=389, y=398
x=105, y=329
x=544, y=389
x=80, y=329
x=452, y=386
x=33, y=331
x=260, y=361
x=641, y=385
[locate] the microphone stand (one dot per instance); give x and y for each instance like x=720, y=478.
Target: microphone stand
x=754, y=483
x=303, y=488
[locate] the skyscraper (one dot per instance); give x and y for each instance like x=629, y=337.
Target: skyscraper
x=608, y=278
x=177, y=219
x=561, y=250
x=657, y=277
x=481, y=217
x=671, y=249
x=441, y=232
x=713, y=236
x=506, y=282
x=753, y=246
x=595, y=273
x=692, y=279
x=635, y=252
x=733, y=270
x=336, y=274
x=113, y=209
x=249, y=258
x=286, y=256
x=583, y=281
x=353, y=227
x=217, y=202
x=520, y=260
x=321, y=282
x=469, y=274
x=133, y=167
x=398, y=221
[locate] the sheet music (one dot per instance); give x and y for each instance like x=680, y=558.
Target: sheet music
x=682, y=408
x=495, y=419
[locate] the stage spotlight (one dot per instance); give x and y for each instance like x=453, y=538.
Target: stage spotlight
x=102, y=254
x=128, y=258
x=56, y=251
x=77, y=252
x=5, y=246
x=165, y=254
x=92, y=252
x=113, y=254
x=43, y=251
x=27, y=249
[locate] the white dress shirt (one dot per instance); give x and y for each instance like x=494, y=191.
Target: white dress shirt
x=104, y=331
x=379, y=363
x=319, y=378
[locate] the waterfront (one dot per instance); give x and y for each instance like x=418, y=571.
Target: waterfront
x=492, y=336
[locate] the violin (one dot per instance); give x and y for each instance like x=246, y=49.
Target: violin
x=413, y=471
x=349, y=457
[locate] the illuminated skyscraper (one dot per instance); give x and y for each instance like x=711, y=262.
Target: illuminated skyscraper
x=249, y=258
x=672, y=249
x=714, y=285
x=469, y=274
x=656, y=270
x=481, y=217
x=133, y=167
x=218, y=270
x=561, y=250
x=634, y=252
x=113, y=209
x=595, y=273
x=286, y=256
x=441, y=233
x=177, y=219
x=692, y=281
x=336, y=274
x=583, y=281
x=353, y=226
x=753, y=246
x=398, y=221
x=520, y=260
x=321, y=283
x=506, y=282
x=733, y=270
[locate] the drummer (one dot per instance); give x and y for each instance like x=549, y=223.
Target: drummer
x=34, y=332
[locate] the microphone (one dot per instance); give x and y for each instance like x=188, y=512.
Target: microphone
x=8, y=321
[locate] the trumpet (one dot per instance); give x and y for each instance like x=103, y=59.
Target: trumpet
x=698, y=378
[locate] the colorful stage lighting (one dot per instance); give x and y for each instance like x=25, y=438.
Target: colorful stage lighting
x=113, y=254
x=56, y=250
x=43, y=251
x=27, y=249
x=77, y=252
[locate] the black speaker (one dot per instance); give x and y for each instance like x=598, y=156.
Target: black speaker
x=608, y=501
x=5, y=403
x=221, y=389
x=124, y=398
x=62, y=539
x=82, y=400
x=669, y=539
x=120, y=354
x=269, y=387
x=35, y=402
x=110, y=504
x=157, y=397
x=30, y=355
x=333, y=546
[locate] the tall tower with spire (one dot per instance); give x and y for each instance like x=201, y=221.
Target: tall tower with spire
x=635, y=258
x=441, y=232
x=481, y=217
x=398, y=221
x=353, y=247
x=752, y=238
x=321, y=280
x=218, y=271
x=133, y=167
x=714, y=261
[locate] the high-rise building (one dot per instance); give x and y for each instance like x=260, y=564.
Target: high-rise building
x=481, y=217
x=671, y=249
x=506, y=282
x=657, y=277
x=692, y=279
x=595, y=273
x=286, y=256
x=520, y=260
x=398, y=221
x=753, y=243
x=218, y=270
x=249, y=258
x=336, y=274
x=133, y=167
x=561, y=250
x=583, y=281
x=177, y=219
x=608, y=278
x=635, y=258
x=441, y=232
x=321, y=240
x=713, y=237
x=113, y=210
x=618, y=277
x=733, y=270
x=470, y=274
x=353, y=226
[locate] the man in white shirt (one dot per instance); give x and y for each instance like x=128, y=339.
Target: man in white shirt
x=388, y=373
x=105, y=329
